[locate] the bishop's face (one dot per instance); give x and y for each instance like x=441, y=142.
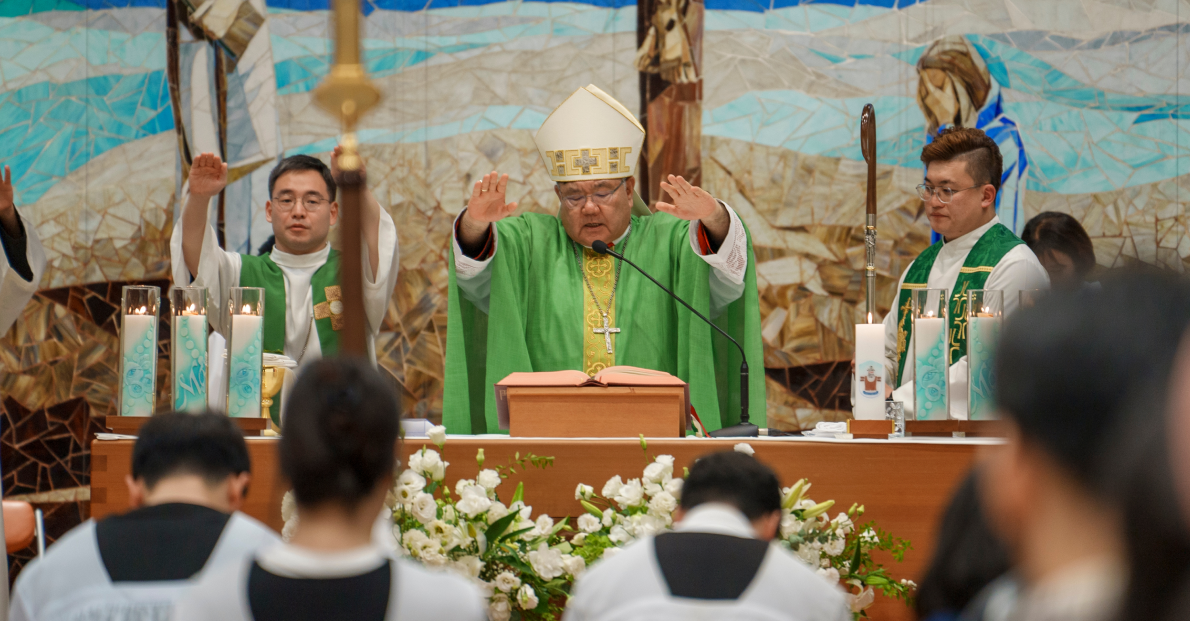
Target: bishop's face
x=592, y=210
x=301, y=212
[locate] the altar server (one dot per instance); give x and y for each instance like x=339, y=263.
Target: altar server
x=527, y=293
x=976, y=252
x=300, y=276
x=24, y=258
x=190, y=473
x=720, y=563
x=338, y=450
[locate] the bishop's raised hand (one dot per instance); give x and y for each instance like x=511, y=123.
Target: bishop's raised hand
x=487, y=199
x=208, y=175
x=690, y=202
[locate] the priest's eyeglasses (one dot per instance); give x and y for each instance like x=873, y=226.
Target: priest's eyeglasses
x=313, y=204
x=600, y=198
x=945, y=195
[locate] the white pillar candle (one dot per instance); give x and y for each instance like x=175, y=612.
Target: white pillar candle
x=982, y=335
x=869, y=371
x=930, y=368
x=190, y=362
x=139, y=350
x=244, y=356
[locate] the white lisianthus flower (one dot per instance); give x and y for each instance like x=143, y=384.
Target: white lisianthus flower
x=474, y=500
x=656, y=472
x=646, y=524
x=809, y=554
x=652, y=489
x=578, y=539
x=619, y=534
x=609, y=518
x=519, y=506
x=488, y=478
x=612, y=487
x=425, y=509
x=844, y=524
x=409, y=485
x=415, y=462
x=745, y=448
x=574, y=565
x=437, y=435
x=496, y=511
x=610, y=552
x=437, y=471
x=499, y=609
x=790, y=526
x=674, y=487
x=429, y=458
x=433, y=557
x=662, y=505
x=583, y=492
x=467, y=566
x=526, y=597
x=869, y=537
x=835, y=547
x=448, y=514
x=588, y=523
x=631, y=494
x=545, y=524
x=830, y=573
x=546, y=562
x=507, y=582
x=462, y=484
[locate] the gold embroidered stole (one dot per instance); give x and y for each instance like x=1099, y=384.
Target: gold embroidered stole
x=601, y=272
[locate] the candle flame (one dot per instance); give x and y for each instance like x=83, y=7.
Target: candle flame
x=144, y=310
x=988, y=310
x=929, y=314
x=247, y=310
x=191, y=308
x=869, y=317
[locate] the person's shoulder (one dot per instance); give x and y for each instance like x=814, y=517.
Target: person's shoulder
x=425, y=593
x=217, y=594
x=791, y=578
x=252, y=527
x=72, y=551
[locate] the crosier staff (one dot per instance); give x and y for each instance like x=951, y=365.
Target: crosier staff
x=867, y=140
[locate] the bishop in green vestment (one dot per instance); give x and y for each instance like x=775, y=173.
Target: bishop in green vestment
x=528, y=294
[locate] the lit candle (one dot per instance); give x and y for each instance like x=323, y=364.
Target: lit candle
x=869, y=370
x=983, y=331
x=189, y=352
x=930, y=367
x=138, y=340
x=244, y=353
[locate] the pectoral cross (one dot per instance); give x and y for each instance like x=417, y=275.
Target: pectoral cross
x=607, y=333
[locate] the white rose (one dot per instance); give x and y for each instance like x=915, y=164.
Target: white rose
x=830, y=573
x=468, y=566
x=474, y=501
x=496, y=511
x=745, y=448
x=612, y=487
x=499, y=609
x=663, y=504
x=583, y=492
x=437, y=435
x=631, y=494
x=835, y=547
x=425, y=509
x=545, y=524
x=609, y=518
x=578, y=539
x=588, y=523
x=575, y=565
x=610, y=552
x=619, y=534
x=409, y=485
x=506, y=582
x=527, y=598
x=488, y=478
x=674, y=487
x=546, y=562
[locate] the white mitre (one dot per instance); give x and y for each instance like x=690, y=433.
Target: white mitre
x=590, y=136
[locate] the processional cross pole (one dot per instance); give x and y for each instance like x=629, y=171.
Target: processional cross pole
x=348, y=94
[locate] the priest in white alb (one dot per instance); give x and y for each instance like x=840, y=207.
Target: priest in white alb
x=24, y=258
x=303, y=311
x=528, y=293
x=963, y=173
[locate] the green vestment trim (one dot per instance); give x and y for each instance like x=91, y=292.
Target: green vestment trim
x=536, y=322
x=261, y=271
x=981, y=260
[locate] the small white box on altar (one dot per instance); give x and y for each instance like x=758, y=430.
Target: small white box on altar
x=416, y=427
x=869, y=371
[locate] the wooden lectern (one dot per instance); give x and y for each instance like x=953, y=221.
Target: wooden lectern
x=611, y=405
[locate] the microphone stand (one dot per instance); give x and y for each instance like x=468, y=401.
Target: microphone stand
x=744, y=429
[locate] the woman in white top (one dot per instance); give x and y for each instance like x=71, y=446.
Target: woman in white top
x=338, y=450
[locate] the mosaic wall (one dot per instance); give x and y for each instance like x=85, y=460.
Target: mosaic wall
x=1083, y=97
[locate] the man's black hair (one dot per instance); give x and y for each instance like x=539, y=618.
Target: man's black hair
x=340, y=432
x=207, y=444
x=295, y=163
x=736, y=479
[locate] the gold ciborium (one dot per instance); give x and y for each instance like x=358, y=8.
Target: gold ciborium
x=271, y=380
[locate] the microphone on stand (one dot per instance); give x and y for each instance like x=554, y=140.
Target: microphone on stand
x=744, y=429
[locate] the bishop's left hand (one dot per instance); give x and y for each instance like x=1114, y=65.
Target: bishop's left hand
x=689, y=202
x=336, y=173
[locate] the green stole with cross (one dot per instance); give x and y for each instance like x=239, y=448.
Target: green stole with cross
x=261, y=271
x=987, y=252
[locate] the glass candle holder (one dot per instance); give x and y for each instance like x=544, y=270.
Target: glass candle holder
x=245, y=351
x=985, y=313
x=188, y=348
x=931, y=359
x=140, y=309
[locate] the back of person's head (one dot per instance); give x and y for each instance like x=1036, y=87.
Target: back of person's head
x=340, y=432
x=1069, y=366
x=207, y=445
x=736, y=479
x=1051, y=233
x=967, y=557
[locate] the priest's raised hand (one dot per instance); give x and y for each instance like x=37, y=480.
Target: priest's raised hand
x=22, y=259
x=485, y=207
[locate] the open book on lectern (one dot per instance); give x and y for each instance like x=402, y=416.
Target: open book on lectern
x=611, y=376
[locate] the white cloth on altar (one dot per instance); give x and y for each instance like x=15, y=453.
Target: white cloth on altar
x=630, y=586
x=1018, y=270
x=15, y=291
x=728, y=265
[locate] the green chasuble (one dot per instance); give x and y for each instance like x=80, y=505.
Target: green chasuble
x=536, y=322
x=978, y=266
x=260, y=271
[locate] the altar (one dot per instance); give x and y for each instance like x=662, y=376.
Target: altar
x=904, y=484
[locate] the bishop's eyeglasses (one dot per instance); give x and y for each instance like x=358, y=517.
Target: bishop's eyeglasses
x=602, y=197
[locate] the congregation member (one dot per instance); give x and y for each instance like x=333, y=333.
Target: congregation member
x=24, y=258
x=190, y=473
x=1062, y=246
x=1069, y=370
x=719, y=563
x=338, y=451
x=528, y=293
x=300, y=275
x=963, y=176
